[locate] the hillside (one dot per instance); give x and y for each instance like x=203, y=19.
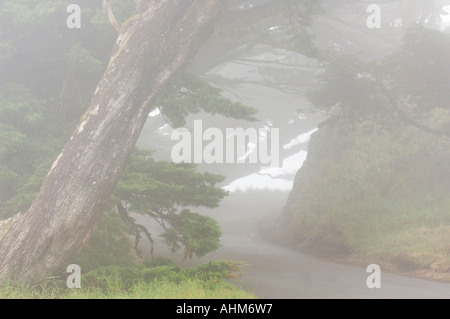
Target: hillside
x=372, y=195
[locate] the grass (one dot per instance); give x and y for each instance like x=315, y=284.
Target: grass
x=189, y=289
x=207, y=281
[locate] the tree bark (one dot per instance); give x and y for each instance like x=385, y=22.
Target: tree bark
x=151, y=47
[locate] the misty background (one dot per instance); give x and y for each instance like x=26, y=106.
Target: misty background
x=359, y=184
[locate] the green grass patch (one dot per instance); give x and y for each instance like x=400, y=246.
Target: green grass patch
x=190, y=289
x=208, y=281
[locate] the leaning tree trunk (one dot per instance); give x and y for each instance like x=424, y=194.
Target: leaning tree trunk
x=151, y=47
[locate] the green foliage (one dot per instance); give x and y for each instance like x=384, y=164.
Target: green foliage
x=159, y=189
x=165, y=281
x=21, y=109
x=125, y=278
x=79, y=58
x=157, y=262
x=120, y=278
x=149, y=185
x=188, y=94
x=27, y=13
x=23, y=154
x=189, y=289
x=25, y=192
x=109, y=245
x=214, y=270
x=198, y=234
x=10, y=141
x=43, y=90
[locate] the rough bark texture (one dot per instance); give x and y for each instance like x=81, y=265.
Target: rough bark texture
x=151, y=47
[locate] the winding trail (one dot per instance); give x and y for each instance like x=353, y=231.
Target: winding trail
x=271, y=271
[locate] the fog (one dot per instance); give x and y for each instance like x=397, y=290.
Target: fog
x=344, y=165
x=258, y=196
